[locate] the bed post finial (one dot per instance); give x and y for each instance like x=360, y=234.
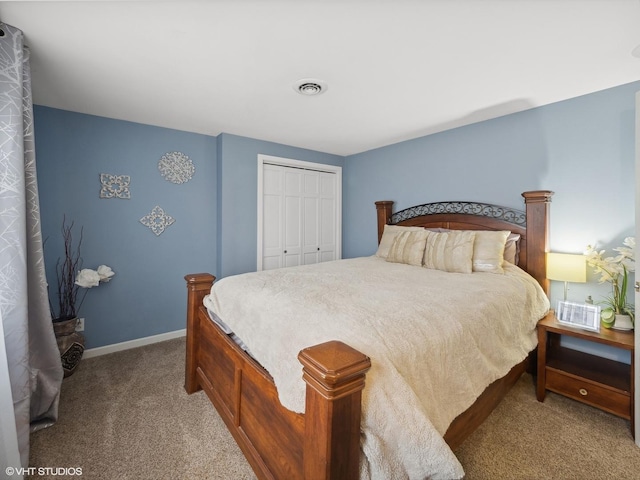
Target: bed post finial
x=335, y=374
x=537, y=211
x=383, y=208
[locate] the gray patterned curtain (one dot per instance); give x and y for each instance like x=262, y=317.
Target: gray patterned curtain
x=35, y=370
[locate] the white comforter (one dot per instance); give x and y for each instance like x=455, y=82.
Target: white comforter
x=436, y=340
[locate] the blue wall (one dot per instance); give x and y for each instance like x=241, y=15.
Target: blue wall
x=582, y=148
x=492, y=161
x=215, y=214
x=147, y=295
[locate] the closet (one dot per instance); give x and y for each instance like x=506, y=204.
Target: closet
x=299, y=213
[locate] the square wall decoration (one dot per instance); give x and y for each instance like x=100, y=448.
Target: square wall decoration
x=115, y=186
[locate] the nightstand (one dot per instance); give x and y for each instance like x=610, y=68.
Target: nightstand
x=600, y=382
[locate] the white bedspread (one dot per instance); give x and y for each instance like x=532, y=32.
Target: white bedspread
x=436, y=340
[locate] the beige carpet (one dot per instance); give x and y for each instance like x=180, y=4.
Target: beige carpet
x=126, y=416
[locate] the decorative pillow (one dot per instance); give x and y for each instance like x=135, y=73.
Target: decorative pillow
x=512, y=248
x=408, y=247
x=389, y=234
x=488, y=250
x=450, y=251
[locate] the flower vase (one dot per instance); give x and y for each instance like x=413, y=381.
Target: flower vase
x=70, y=344
x=622, y=322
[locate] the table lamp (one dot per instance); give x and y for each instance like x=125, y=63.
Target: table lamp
x=566, y=267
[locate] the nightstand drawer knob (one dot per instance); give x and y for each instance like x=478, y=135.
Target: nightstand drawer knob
x=583, y=392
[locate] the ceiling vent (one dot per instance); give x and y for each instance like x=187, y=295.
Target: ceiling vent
x=310, y=86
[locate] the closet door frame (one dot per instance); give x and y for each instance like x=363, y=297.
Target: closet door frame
x=289, y=162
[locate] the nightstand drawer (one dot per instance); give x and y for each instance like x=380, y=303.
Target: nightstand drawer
x=583, y=390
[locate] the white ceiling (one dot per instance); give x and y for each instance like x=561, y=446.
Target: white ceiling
x=395, y=69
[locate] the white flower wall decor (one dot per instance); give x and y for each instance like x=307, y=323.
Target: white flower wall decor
x=176, y=167
x=115, y=186
x=157, y=220
x=88, y=278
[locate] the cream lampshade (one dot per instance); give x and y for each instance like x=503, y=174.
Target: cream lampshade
x=566, y=267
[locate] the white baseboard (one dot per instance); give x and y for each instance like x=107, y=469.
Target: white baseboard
x=138, y=342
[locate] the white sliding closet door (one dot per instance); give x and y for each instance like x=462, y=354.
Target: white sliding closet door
x=310, y=221
x=298, y=214
x=292, y=222
x=319, y=217
x=328, y=220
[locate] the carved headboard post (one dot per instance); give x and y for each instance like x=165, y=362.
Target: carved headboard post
x=383, y=208
x=537, y=209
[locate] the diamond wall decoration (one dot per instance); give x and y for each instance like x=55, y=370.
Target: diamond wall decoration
x=115, y=186
x=157, y=220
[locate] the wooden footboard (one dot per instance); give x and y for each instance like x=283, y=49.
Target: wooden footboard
x=324, y=443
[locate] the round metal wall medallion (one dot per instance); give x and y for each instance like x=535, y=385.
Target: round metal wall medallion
x=176, y=167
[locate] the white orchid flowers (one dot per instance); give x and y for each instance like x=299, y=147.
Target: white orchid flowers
x=615, y=270
x=88, y=278
x=609, y=268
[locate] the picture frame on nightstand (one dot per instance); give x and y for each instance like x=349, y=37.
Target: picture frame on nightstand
x=579, y=315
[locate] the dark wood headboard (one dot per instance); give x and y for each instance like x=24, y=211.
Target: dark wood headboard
x=532, y=224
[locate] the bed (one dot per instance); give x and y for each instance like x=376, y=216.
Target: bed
x=324, y=442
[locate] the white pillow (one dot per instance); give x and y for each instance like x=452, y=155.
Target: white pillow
x=488, y=250
x=512, y=249
x=389, y=234
x=450, y=251
x=408, y=247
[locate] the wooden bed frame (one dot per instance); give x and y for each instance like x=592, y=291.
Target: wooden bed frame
x=324, y=442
